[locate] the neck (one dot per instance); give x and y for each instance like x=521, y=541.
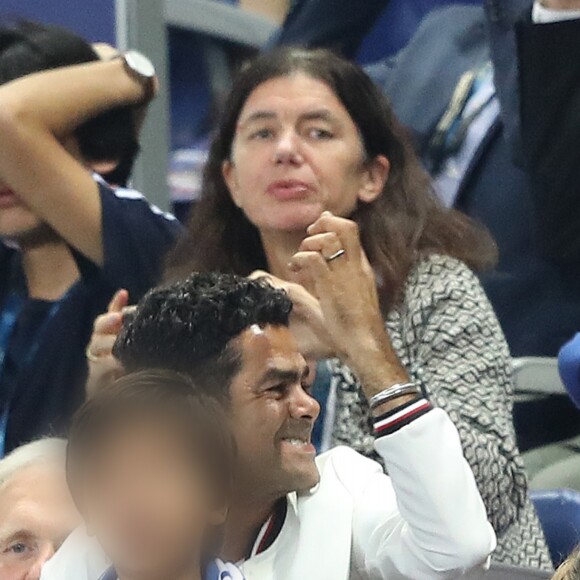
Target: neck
x=244, y=522
x=279, y=248
x=49, y=268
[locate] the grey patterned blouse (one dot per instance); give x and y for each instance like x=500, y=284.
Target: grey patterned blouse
x=448, y=338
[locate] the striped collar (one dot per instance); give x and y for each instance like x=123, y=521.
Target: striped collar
x=270, y=530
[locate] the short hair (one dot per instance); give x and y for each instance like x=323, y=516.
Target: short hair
x=31, y=454
x=155, y=396
x=188, y=326
x=570, y=568
x=28, y=47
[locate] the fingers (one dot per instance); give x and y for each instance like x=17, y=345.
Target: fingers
x=119, y=301
x=312, y=269
x=109, y=323
x=327, y=244
x=102, y=345
x=346, y=230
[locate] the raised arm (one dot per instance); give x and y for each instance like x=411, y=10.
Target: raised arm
x=440, y=527
x=39, y=159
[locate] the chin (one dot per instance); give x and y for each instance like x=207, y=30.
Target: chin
x=17, y=219
x=291, y=218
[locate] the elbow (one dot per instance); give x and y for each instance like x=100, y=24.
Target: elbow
x=12, y=117
x=469, y=551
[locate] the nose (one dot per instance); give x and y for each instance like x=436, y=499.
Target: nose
x=303, y=405
x=287, y=149
x=44, y=554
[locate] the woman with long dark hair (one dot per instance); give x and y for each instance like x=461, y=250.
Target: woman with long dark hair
x=312, y=183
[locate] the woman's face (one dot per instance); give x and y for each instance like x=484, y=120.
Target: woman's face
x=296, y=153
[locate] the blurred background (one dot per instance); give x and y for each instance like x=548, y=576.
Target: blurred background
x=223, y=33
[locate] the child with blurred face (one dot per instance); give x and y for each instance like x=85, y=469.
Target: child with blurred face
x=149, y=466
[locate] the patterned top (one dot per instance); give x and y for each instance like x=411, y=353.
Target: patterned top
x=448, y=338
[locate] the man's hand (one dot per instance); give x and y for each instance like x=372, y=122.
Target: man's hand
x=332, y=265
x=306, y=321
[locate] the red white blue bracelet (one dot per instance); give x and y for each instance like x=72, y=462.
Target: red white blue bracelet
x=392, y=421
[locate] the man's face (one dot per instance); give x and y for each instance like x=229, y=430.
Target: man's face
x=36, y=515
x=273, y=414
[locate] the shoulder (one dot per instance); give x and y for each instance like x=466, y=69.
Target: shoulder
x=348, y=467
x=458, y=20
x=437, y=277
x=444, y=298
x=118, y=198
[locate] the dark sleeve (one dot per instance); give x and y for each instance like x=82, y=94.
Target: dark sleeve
x=136, y=238
x=329, y=24
x=549, y=86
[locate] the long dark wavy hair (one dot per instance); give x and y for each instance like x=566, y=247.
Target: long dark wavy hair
x=404, y=223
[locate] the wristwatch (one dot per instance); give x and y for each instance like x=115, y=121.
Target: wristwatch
x=141, y=69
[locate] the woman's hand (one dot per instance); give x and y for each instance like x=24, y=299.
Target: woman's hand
x=346, y=290
x=103, y=366
x=306, y=320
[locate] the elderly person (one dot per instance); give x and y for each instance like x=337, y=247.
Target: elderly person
x=36, y=511
x=311, y=183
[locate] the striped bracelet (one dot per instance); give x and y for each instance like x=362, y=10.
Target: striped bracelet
x=393, y=392
x=392, y=421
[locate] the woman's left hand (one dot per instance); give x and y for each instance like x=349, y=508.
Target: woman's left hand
x=347, y=291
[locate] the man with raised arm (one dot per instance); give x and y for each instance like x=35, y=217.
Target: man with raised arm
x=294, y=516
x=68, y=240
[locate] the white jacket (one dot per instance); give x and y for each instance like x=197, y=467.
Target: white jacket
x=424, y=521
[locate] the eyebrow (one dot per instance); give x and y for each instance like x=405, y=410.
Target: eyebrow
x=316, y=114
x=284, y=375
x=17, y=535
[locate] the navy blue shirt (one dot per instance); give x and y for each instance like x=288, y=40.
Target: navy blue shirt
x=42, y=387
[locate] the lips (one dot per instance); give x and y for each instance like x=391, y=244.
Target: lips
x=298, y=441
x=289, y=189
x=8, y=199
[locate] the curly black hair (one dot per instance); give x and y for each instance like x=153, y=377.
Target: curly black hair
x=188, y=326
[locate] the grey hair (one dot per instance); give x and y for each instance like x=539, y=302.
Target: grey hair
x=37, y=452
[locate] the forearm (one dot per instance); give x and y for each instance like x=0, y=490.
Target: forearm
x=378, y=367
x=443, y=529
x=60, y=100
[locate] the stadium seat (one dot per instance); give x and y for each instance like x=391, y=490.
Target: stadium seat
x=559, y=513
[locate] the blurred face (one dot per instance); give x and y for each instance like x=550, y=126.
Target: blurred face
x=296, y=153
x=273, y=414
x=147, y=503
x=36, y=515
x=16, y=219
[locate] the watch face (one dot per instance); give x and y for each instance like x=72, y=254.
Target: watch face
x=140, y=64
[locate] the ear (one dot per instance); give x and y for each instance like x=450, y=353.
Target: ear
x=230, y=177
x=375, y=176
x=103, y=167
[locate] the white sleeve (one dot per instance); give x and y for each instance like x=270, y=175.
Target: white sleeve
x=79, y=558
x=543, y=15
x=438, y=527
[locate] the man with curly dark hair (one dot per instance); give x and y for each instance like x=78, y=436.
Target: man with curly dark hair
x=231, y=336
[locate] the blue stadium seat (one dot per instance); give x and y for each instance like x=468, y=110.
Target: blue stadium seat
x=559, y=513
